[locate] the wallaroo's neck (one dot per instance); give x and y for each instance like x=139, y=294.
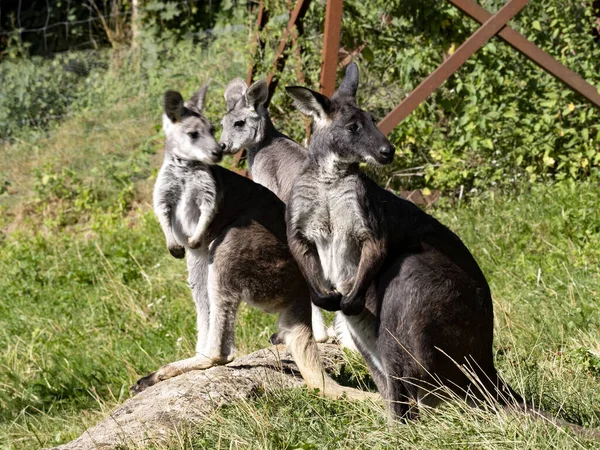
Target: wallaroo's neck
x=329, y=166
x=183, y=163
x=269, y=132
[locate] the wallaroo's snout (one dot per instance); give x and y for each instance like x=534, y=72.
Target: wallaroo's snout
x=387, y=153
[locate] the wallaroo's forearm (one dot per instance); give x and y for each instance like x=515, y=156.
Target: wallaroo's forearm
x=310, y=266
x=371, y=259
x=307, y=258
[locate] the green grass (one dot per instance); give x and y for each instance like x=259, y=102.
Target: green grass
x=90, y=299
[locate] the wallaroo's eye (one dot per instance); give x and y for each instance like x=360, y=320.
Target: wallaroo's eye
x=239, y=123
x=193, y=134
x=212, y=130
x=352, y=128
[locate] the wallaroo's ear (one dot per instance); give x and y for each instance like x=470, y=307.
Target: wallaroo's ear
x=197, y=100
x=257, y=94
x=349, y=84
x=310, y=102
x=173, y=105
x=234, y=91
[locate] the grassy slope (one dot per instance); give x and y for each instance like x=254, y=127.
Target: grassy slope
x=90, y=299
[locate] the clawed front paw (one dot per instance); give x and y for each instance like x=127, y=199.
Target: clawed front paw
x=194, y=243
x=144, y=383
x=353, y=305
x=177, y=251
x=329, y=301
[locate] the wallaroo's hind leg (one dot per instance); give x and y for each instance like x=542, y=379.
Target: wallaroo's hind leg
x=318, y=324
x=197, y=263
x=220, y=343
x=295, y=320
x=216, y=323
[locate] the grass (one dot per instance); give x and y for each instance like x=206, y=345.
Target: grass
x=90, y=299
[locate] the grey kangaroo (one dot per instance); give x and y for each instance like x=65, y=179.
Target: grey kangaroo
x=274, y=160
x=233, y=231
x=417, y=304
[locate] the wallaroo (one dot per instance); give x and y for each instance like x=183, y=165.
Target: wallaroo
x=274, y=159
x=417, y=304
x=233, y=231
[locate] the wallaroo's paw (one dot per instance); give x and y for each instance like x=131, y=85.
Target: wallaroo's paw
x=177, y=251
x=144, y=383
x=277, y=338
x=193, y=243
x=331, y=301
x=353, y=306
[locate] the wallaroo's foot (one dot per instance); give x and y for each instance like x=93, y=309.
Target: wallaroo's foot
x=177, y=251
x=144, y=383
x=198, y=362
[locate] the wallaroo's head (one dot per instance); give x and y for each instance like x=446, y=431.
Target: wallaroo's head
x=340, y=128
x=246, y=121
x=189, y=133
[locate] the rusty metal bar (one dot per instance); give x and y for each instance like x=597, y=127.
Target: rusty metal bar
x=452, y=64
x=258, y=43
x=280, y=57
x=533, y=52
x=331, y=45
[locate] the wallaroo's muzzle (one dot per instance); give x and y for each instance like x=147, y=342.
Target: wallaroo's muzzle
x=226, y=148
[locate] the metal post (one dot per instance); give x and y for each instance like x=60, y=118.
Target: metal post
x=331, y=45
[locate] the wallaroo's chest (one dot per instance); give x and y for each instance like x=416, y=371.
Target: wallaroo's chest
x=332, y=209
x=198, y=192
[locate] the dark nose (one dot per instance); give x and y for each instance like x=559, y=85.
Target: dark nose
x=386, y=149
x=217, y=152
x=223, y=146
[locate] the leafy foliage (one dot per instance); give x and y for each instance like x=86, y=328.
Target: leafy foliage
x=498, y=120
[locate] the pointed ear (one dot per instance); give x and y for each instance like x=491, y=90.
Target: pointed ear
x=234, y=91
x=173, y=105
x=349, y=84
x=197, y=100
x=310, y=102
x=257, y=94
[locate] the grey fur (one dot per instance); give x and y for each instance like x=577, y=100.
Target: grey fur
x=234, y=233
x=274, y=159
x=415, y=299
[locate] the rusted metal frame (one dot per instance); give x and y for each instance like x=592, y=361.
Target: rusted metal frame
x=533, y=52
x=331, y=46
x=452, y=64
x=258, y=43
x=280, y=56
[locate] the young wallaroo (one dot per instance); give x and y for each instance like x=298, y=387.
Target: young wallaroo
x=233, y=231
x=417, y=304
x=274, y=159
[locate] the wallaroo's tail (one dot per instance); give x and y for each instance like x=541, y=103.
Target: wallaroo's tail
x=304, y=349
x=511, y=400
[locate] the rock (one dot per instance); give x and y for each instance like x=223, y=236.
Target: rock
x=152, y=415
